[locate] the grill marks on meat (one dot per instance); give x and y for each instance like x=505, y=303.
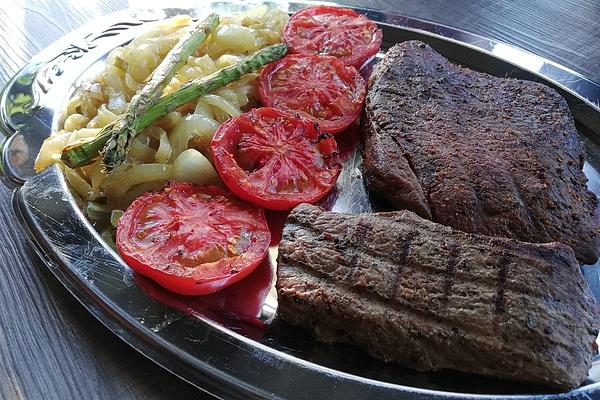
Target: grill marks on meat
x=482, y=154
x=408, y=290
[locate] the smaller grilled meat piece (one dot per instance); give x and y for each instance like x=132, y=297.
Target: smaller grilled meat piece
x=409, y=290
x=489, y=155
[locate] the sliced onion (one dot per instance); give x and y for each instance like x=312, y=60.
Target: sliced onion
x=192, y=167
x=120, y=182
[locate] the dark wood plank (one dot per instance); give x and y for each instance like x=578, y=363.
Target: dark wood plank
x=565, y=31
x=51, y=347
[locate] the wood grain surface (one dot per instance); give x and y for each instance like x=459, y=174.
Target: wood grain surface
x=50, y=347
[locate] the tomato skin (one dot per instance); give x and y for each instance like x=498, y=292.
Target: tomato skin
x=273, y=158
x=320, y=88
x=334, y=31
x=192, y=239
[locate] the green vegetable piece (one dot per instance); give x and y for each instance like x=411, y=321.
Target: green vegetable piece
x=191, y=91
x=116, y=138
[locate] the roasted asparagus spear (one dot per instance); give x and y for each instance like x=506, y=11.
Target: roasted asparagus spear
x=119, y=134
x=76, y=156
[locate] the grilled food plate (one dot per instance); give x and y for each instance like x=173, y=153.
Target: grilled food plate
x=232, y=344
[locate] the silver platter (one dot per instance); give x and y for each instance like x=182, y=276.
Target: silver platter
x=215, y=348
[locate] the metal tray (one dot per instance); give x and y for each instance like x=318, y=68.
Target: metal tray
x=232, y=344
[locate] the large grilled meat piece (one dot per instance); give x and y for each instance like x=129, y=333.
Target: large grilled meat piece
x=427, y=296
x=482, y=154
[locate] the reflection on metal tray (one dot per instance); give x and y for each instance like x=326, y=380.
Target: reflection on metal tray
x=231, y=347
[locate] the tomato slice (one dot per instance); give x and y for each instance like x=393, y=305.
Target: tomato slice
x=338, y=32
x=192, y=239
x=318, y=87
x=275, y=159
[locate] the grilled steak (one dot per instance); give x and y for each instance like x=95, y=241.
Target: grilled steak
x=482, y=154
x=409, y=290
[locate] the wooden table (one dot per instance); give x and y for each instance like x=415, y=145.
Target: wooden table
x=50, y=346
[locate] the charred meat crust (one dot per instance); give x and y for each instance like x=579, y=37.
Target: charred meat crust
x=482, y=154
x=427, y=296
